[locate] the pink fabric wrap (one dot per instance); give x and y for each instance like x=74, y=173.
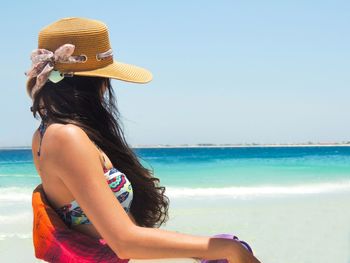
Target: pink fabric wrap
x=43, y=62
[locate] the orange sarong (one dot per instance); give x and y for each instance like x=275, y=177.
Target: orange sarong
x=56, y=242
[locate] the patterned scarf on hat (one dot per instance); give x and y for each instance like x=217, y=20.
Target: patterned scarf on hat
x=43, y=62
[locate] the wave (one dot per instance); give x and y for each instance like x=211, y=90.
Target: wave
x=17, y=162
x=18, y=218
x=15, y=194
x=28, y=175
x=4, y=236
x=252, y=191
x=24, y=194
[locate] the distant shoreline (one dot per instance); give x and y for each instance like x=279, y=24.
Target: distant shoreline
x=243, y=145
x=160, y=146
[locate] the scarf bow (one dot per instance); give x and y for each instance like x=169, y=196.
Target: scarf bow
x=43, y=62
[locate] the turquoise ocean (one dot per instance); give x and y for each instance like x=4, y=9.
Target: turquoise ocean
x=290, y=203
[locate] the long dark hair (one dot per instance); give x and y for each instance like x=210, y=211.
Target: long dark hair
x=79, y=100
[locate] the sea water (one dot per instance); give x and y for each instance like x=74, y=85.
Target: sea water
x=291, y=204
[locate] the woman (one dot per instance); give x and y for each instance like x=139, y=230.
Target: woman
x=80, y=146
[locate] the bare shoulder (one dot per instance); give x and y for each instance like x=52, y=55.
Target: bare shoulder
x=65, y=145
x=58, y=135
x=60, y=138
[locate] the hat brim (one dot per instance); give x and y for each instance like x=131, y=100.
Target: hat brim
x=120, y=71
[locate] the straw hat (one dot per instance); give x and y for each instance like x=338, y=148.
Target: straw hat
x=91, y=42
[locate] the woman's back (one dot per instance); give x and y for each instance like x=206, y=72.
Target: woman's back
x=57, y=192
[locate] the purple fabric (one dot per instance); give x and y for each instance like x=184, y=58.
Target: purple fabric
x=228, y=236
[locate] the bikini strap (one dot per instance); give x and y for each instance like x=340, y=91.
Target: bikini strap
x=42, y=129
x=103, y=158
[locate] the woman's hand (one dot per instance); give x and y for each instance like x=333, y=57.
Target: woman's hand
x=236, y=253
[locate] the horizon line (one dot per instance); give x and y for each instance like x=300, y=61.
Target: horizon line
x=216, y=145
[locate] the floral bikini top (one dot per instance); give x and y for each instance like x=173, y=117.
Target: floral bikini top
x=73, y=215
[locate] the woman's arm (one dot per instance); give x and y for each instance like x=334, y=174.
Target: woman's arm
x=146, y=243
x=69, y=154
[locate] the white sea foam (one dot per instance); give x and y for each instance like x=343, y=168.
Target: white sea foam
x=20, y=175
x=15, y=194
x=17, y=218
x=252, y=191
x=4, y=236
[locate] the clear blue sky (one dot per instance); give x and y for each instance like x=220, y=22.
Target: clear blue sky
x=224, y=71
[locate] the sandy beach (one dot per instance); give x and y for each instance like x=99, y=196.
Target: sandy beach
x=302, y=229
x=307, y=229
